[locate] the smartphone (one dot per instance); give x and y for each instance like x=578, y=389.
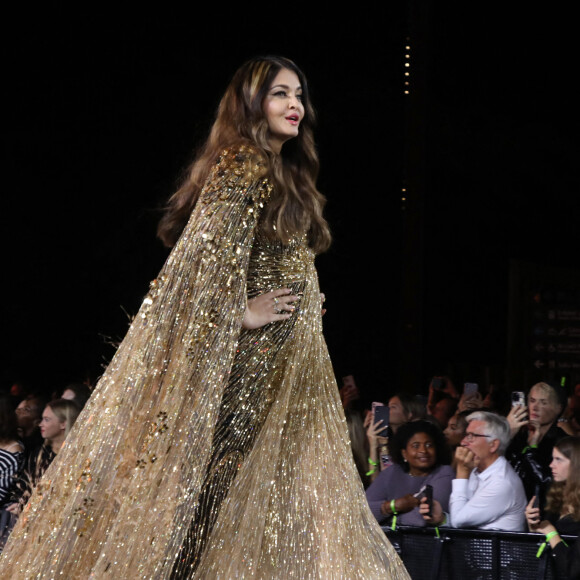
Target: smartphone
x=426, y=491
x=518, y=398
x=470, y=388
x=381, y=412
x=438, y=383
x=536, y=503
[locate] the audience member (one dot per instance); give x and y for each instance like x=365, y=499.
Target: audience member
x=455, y=432
x=11, y=449
x=443, y=409
x=574, y=405
x=497, y=400
x=421, y=458
x=470, y=402
x=566, y=419
x=57, y=419
x=401, y=409
x=378, y=446
x=17, y=392
x=417, y=407
x=442, y=383
x=442, y=400
x=534, y=432
x=29, y=415
x=80, y=393
x=487, y=493
x=562, y=511
x=358, y=442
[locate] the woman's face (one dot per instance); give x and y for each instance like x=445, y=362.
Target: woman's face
x=50, y=425
x=283, y=108
x=397, y=415
x=560, y=466
x=541, y=407
x=454, y=432
x=27, y=415
x=420, y=454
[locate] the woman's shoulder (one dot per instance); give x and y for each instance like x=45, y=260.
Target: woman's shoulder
x=388, y=475
x=243, y=159
x=443, y=471
x=394, y=472
x=13, y=447
x=568, y=526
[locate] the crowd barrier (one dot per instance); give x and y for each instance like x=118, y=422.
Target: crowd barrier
x=462, y=554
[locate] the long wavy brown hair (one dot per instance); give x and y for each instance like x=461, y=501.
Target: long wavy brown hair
x=564, y=496
x=296, y=205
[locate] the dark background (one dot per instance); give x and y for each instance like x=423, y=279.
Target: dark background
x=102, y=112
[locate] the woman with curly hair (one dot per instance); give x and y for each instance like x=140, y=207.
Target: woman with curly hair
x=421, y=457
x=562, y=510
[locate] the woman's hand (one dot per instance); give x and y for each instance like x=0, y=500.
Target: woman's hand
x=517, y=417
x=533, y=432
x=373, y=430
x=403, y=504
x=467, y=402
x=13, y=508
x=406, y=503
x=532, y=515
x=545, y=527
x=269, y=307
x=436, y=517
x=537, y=525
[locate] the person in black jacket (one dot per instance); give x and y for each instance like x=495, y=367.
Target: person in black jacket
x=561, y=515
x=535, y=431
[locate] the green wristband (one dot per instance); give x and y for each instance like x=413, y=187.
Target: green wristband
x=549, y=536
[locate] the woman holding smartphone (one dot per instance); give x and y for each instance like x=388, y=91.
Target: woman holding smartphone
x=562, y=511
x=421, y=458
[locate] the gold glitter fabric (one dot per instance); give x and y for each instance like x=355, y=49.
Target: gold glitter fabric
x=208, y=451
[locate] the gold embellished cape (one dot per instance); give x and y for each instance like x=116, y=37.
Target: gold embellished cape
x=208, y=451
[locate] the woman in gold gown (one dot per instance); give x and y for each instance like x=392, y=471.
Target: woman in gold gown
x=215, y=445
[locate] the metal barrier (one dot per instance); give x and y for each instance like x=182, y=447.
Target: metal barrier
x=462, y=554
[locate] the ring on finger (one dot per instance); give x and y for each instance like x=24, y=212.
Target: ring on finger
x=276, y=300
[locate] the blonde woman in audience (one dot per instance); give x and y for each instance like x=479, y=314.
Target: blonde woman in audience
x=57, y=419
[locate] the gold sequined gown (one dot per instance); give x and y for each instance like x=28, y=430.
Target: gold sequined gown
x=208, y=451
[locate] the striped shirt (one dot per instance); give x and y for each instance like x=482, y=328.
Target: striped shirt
x=10, y=464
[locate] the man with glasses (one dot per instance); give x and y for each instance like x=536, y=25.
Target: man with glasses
x=487, y=493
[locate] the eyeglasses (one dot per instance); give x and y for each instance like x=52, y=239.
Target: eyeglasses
x=471, y=436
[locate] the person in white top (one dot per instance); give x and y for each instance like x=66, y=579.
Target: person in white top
x=487, y=493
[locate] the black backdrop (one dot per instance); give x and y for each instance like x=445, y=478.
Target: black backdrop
x=104, y=109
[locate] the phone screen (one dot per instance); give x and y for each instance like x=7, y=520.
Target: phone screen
x=470, y=388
